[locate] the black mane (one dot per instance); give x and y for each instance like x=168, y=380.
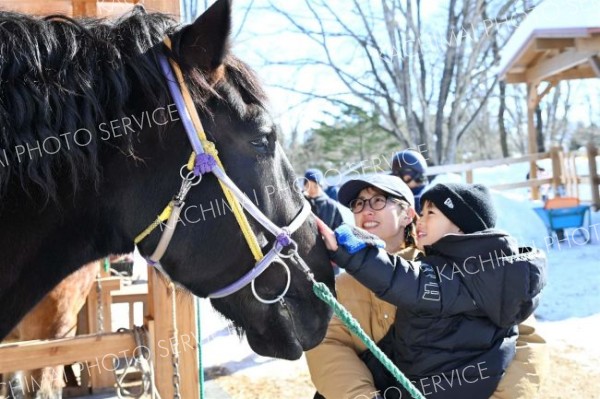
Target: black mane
x=58, y=75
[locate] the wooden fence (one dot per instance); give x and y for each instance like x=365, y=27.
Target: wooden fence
x=564, y=174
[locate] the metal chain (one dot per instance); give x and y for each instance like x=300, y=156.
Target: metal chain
x=301, y=264
x=100, y=304
x=140, y=363
x=175, y=343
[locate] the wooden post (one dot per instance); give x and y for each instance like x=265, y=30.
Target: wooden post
x=101, y=375
x=470, y=176
x=572, y=175
x=159, y=321
x=532, y=100
x=166, y=6
x=592, y=153
x=84, y=8
x=558, y=177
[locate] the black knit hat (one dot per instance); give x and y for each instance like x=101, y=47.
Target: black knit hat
x=468, y=206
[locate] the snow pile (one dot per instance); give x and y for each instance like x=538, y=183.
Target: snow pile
x=515, y=215
x=573, y=288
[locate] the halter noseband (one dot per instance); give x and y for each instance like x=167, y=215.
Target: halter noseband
x=205, y=159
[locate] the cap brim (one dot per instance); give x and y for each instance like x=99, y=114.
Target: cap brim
x=352, y=188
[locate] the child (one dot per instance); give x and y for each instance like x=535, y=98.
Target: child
x=458, y=306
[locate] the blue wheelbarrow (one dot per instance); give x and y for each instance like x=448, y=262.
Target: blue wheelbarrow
x=559, y=214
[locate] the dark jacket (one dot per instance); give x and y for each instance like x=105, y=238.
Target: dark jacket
x=458, y=307
x=326, y=209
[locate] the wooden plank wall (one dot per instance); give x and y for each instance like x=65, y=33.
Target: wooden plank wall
x=87, y=8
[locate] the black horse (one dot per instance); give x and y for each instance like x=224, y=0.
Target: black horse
x=91, y=148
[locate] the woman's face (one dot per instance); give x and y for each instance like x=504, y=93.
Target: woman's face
x=387, y=223
x=433, y=225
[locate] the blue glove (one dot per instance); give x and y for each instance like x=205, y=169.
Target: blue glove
x=354, y=239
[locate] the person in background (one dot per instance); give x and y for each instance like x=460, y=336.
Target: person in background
x=332, y=192
x=411, y=167
x=322, y=206
x=338, y=366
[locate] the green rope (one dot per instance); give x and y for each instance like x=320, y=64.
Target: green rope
x=325, y=295
x=107, y=264
x=199, y=335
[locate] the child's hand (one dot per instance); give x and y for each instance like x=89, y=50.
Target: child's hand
x=327, y=234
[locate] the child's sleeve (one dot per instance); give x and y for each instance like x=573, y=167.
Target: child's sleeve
x=412, y=285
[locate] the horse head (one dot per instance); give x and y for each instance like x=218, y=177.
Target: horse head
x=102, y=83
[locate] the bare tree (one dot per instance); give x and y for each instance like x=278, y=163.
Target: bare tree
x=427, y=84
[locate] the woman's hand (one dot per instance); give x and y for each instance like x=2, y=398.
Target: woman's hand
x=327, y=234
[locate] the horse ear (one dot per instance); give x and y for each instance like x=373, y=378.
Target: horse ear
x=205, y=42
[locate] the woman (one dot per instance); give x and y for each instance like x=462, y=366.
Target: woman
x=384, y=206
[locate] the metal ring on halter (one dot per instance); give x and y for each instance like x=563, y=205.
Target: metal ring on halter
x=190, y=176
x=285, y=290
x=291, y=252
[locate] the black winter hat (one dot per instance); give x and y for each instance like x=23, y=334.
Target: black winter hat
x=468, y=206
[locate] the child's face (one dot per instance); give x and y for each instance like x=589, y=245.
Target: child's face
x=433, y=225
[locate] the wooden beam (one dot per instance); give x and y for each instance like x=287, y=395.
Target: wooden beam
x=521, y=184
x=35, y=7
x=592, y=153
x=558, y=170
x=94, y=348
x=165, y=343
x=106, y=9
x=554, y=43
x=512, y=78
x=464, y=167
x=546, y=90
x=555, y=65
x=533, y=99
x=595, y=65
x=588, y=44
x=533, y=148
x=583, y=71
x=100, y=379
x=166, y=6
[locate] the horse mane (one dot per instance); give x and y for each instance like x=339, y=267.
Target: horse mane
x=58, y=75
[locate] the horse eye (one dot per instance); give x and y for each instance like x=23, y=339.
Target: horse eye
x=261, y=144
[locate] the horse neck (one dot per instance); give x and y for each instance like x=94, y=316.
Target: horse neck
x=49, y=239
x=37, y=255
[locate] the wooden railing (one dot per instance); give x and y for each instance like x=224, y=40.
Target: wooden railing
x=564, y=172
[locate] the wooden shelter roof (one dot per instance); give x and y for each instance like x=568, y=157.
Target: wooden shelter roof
x=558, y=40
